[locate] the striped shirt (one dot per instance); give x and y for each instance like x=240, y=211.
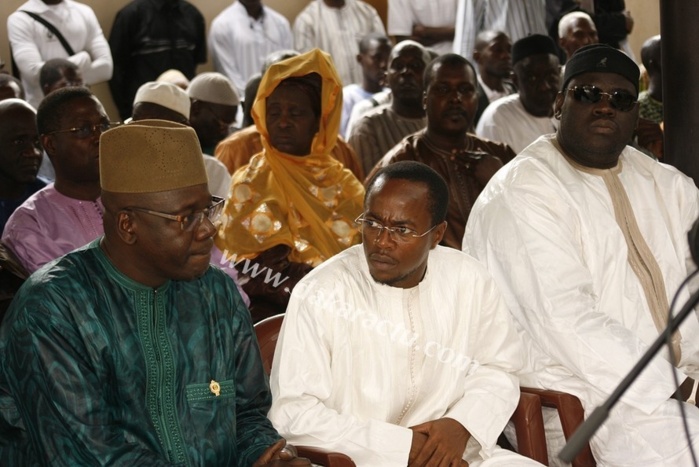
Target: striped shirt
x=516, y=18
x=378, y=131
x=240, y=43
x=337, y=31
x=403, y=14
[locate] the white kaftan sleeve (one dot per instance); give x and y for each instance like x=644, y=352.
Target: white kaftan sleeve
x=530, y=240
x=491, y=390
x=302, y=379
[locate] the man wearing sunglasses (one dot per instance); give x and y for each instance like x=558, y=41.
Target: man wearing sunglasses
x=587, y=238
x=132, y=350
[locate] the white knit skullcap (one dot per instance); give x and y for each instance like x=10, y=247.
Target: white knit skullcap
x=166, y=94
x=214, y=88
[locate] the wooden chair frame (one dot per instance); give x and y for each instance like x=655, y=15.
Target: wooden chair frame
x=571, y=414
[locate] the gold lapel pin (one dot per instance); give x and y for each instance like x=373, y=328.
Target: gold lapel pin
x=215, y=388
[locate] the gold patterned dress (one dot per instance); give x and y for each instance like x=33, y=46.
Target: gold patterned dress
x=287, y=214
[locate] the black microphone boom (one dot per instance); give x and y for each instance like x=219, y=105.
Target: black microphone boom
x=585, y=431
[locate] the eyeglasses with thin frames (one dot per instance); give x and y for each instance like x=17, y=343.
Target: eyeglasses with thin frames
x=397, y=234
x=620, y=100
x=87, y=131
x=190, y=221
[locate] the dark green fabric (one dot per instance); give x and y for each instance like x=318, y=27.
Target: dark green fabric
x=649, y=108
x=103, y=370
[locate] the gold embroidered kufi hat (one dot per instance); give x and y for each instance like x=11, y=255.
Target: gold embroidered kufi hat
x=149, y=156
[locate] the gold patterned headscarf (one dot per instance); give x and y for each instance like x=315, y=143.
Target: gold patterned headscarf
x=306, y=202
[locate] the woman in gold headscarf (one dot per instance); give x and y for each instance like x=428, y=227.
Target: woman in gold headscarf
x=293, y=206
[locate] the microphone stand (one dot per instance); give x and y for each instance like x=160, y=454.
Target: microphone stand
x=585, y=431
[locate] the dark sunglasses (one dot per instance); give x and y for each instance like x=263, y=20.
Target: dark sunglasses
x=620, y=100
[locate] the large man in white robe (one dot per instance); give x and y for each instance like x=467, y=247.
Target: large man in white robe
x=587, y=238
x=401, y=350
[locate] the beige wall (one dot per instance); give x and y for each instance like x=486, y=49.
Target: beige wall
x=106, y=10
x=646, y=15
x=644, y=12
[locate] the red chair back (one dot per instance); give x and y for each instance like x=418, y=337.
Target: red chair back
x=267, y=332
